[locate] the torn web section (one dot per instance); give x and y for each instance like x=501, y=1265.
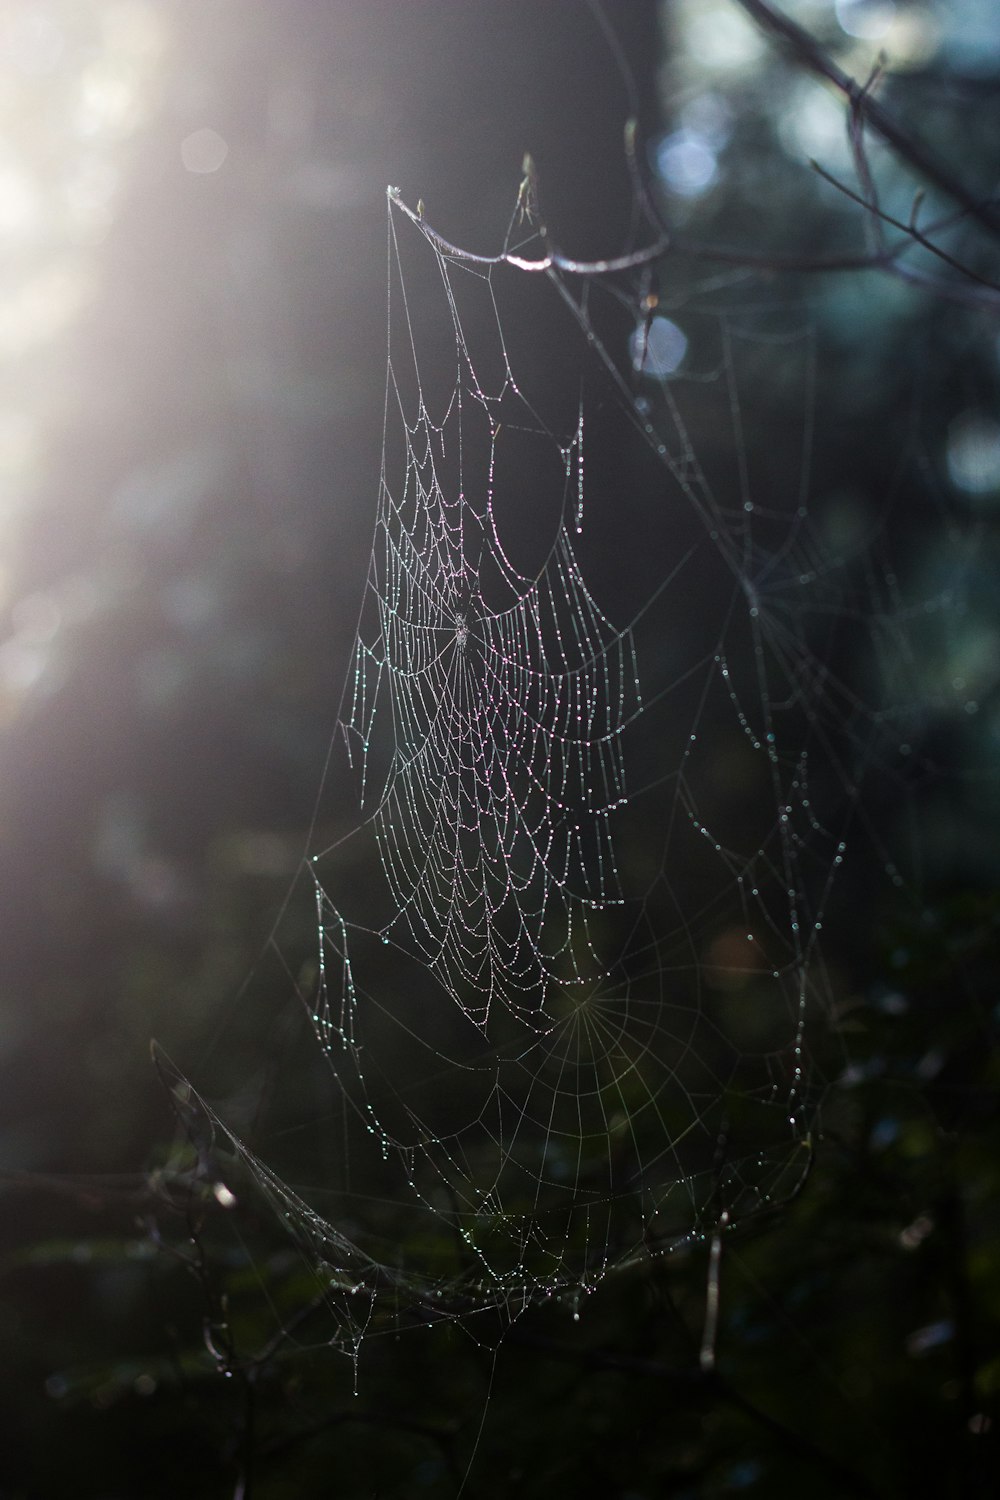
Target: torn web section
x=489, y=694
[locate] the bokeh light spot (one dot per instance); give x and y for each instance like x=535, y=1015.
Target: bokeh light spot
x=686, y=163
x=204, y=151
x=657, y=348
x=974, y=454
x=869, y=20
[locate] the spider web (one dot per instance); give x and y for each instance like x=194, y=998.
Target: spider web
x=569, y=949
x=492, y=819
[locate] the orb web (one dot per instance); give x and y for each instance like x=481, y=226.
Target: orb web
x=604, y=766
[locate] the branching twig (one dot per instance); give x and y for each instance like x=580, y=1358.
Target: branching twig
x=808, y=54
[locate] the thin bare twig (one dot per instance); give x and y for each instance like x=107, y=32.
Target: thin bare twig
x=711, y=1331
x=915, y=235
x=856, y=139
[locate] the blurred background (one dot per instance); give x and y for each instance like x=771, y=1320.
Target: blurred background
x=192, y=356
